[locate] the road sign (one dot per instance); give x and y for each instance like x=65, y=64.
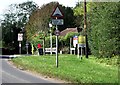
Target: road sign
x=57, y=21
x=20, y=37
x=75, y=40
x=57, y=32
x=81, y=39
x=57, y=13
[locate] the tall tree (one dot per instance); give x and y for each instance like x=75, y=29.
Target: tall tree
x=14, y=21
x=104, y=30
x=40, y=19
x=79, y=12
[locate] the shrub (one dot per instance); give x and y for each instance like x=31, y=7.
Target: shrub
x=104, y=31
x=47, y=41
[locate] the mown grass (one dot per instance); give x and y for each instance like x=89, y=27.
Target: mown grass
x=70, y=68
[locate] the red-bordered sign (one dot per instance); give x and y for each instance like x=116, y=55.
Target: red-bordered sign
x=57, y=32
x=57, y=13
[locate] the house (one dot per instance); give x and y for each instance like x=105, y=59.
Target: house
x=67, y=30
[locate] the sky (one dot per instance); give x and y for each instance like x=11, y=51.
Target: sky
x=5, y=3
x=70, y=3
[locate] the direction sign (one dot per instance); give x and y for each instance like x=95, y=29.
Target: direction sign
x=57, y=21
x=57, y=13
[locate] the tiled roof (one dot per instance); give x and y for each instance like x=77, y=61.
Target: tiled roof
x=64, y=32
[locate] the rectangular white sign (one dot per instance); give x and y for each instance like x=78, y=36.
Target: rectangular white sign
x=20, y=37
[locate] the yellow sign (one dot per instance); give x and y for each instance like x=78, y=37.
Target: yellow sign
x=81, y=39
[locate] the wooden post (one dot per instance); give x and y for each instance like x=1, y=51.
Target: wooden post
x=85, y=29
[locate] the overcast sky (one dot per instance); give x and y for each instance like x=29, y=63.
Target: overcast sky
x=5, y=3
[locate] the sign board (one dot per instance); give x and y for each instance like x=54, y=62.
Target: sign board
x=20, y=37
x=81, y=39
x=75, y=40
x=49, y=50
x=57, y=32
x=57, y=13
x=82, y=45
x=57, y=21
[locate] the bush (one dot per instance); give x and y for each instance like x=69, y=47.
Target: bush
x=104, y=31
x=64, y=41
x=47, y=41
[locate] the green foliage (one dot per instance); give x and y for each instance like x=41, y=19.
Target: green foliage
x=79, y=13
x=15, y=18
x=40, y=19
x=47, y=41
x=104, y=31
x=69, y=18
x=64, y=41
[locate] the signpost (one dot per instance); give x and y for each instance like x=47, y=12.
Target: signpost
x=20, y=39
x=57, y=16
x=27, y=44
x=50, y=25
x=81, y=43
x=75, y=41
x=57, y=32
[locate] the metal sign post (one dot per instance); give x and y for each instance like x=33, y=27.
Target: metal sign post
x=51, y=42
x=56, y=47
x=57, y=16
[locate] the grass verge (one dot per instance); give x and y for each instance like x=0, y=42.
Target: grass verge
x=70, y=68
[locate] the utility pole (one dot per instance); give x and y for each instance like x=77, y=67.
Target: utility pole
x=85, y=29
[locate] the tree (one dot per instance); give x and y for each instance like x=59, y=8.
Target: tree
x=14, y=21
x=40, y=19
x=79, y=12
x=104, y=29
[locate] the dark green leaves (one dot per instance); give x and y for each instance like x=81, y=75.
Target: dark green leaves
x=103, y=33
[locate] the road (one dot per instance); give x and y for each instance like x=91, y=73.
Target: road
x=10, y=74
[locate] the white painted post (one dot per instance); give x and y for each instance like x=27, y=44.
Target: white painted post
x=78, y=50
x=50, y=25
x=56, y=47
x=51, y=42
x=70, y=46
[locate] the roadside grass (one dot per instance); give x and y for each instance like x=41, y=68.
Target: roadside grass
x=70, y=68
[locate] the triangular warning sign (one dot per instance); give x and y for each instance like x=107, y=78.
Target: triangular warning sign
x=57, y=13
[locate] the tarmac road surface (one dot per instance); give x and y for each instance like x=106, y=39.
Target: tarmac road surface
x=12, y=75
